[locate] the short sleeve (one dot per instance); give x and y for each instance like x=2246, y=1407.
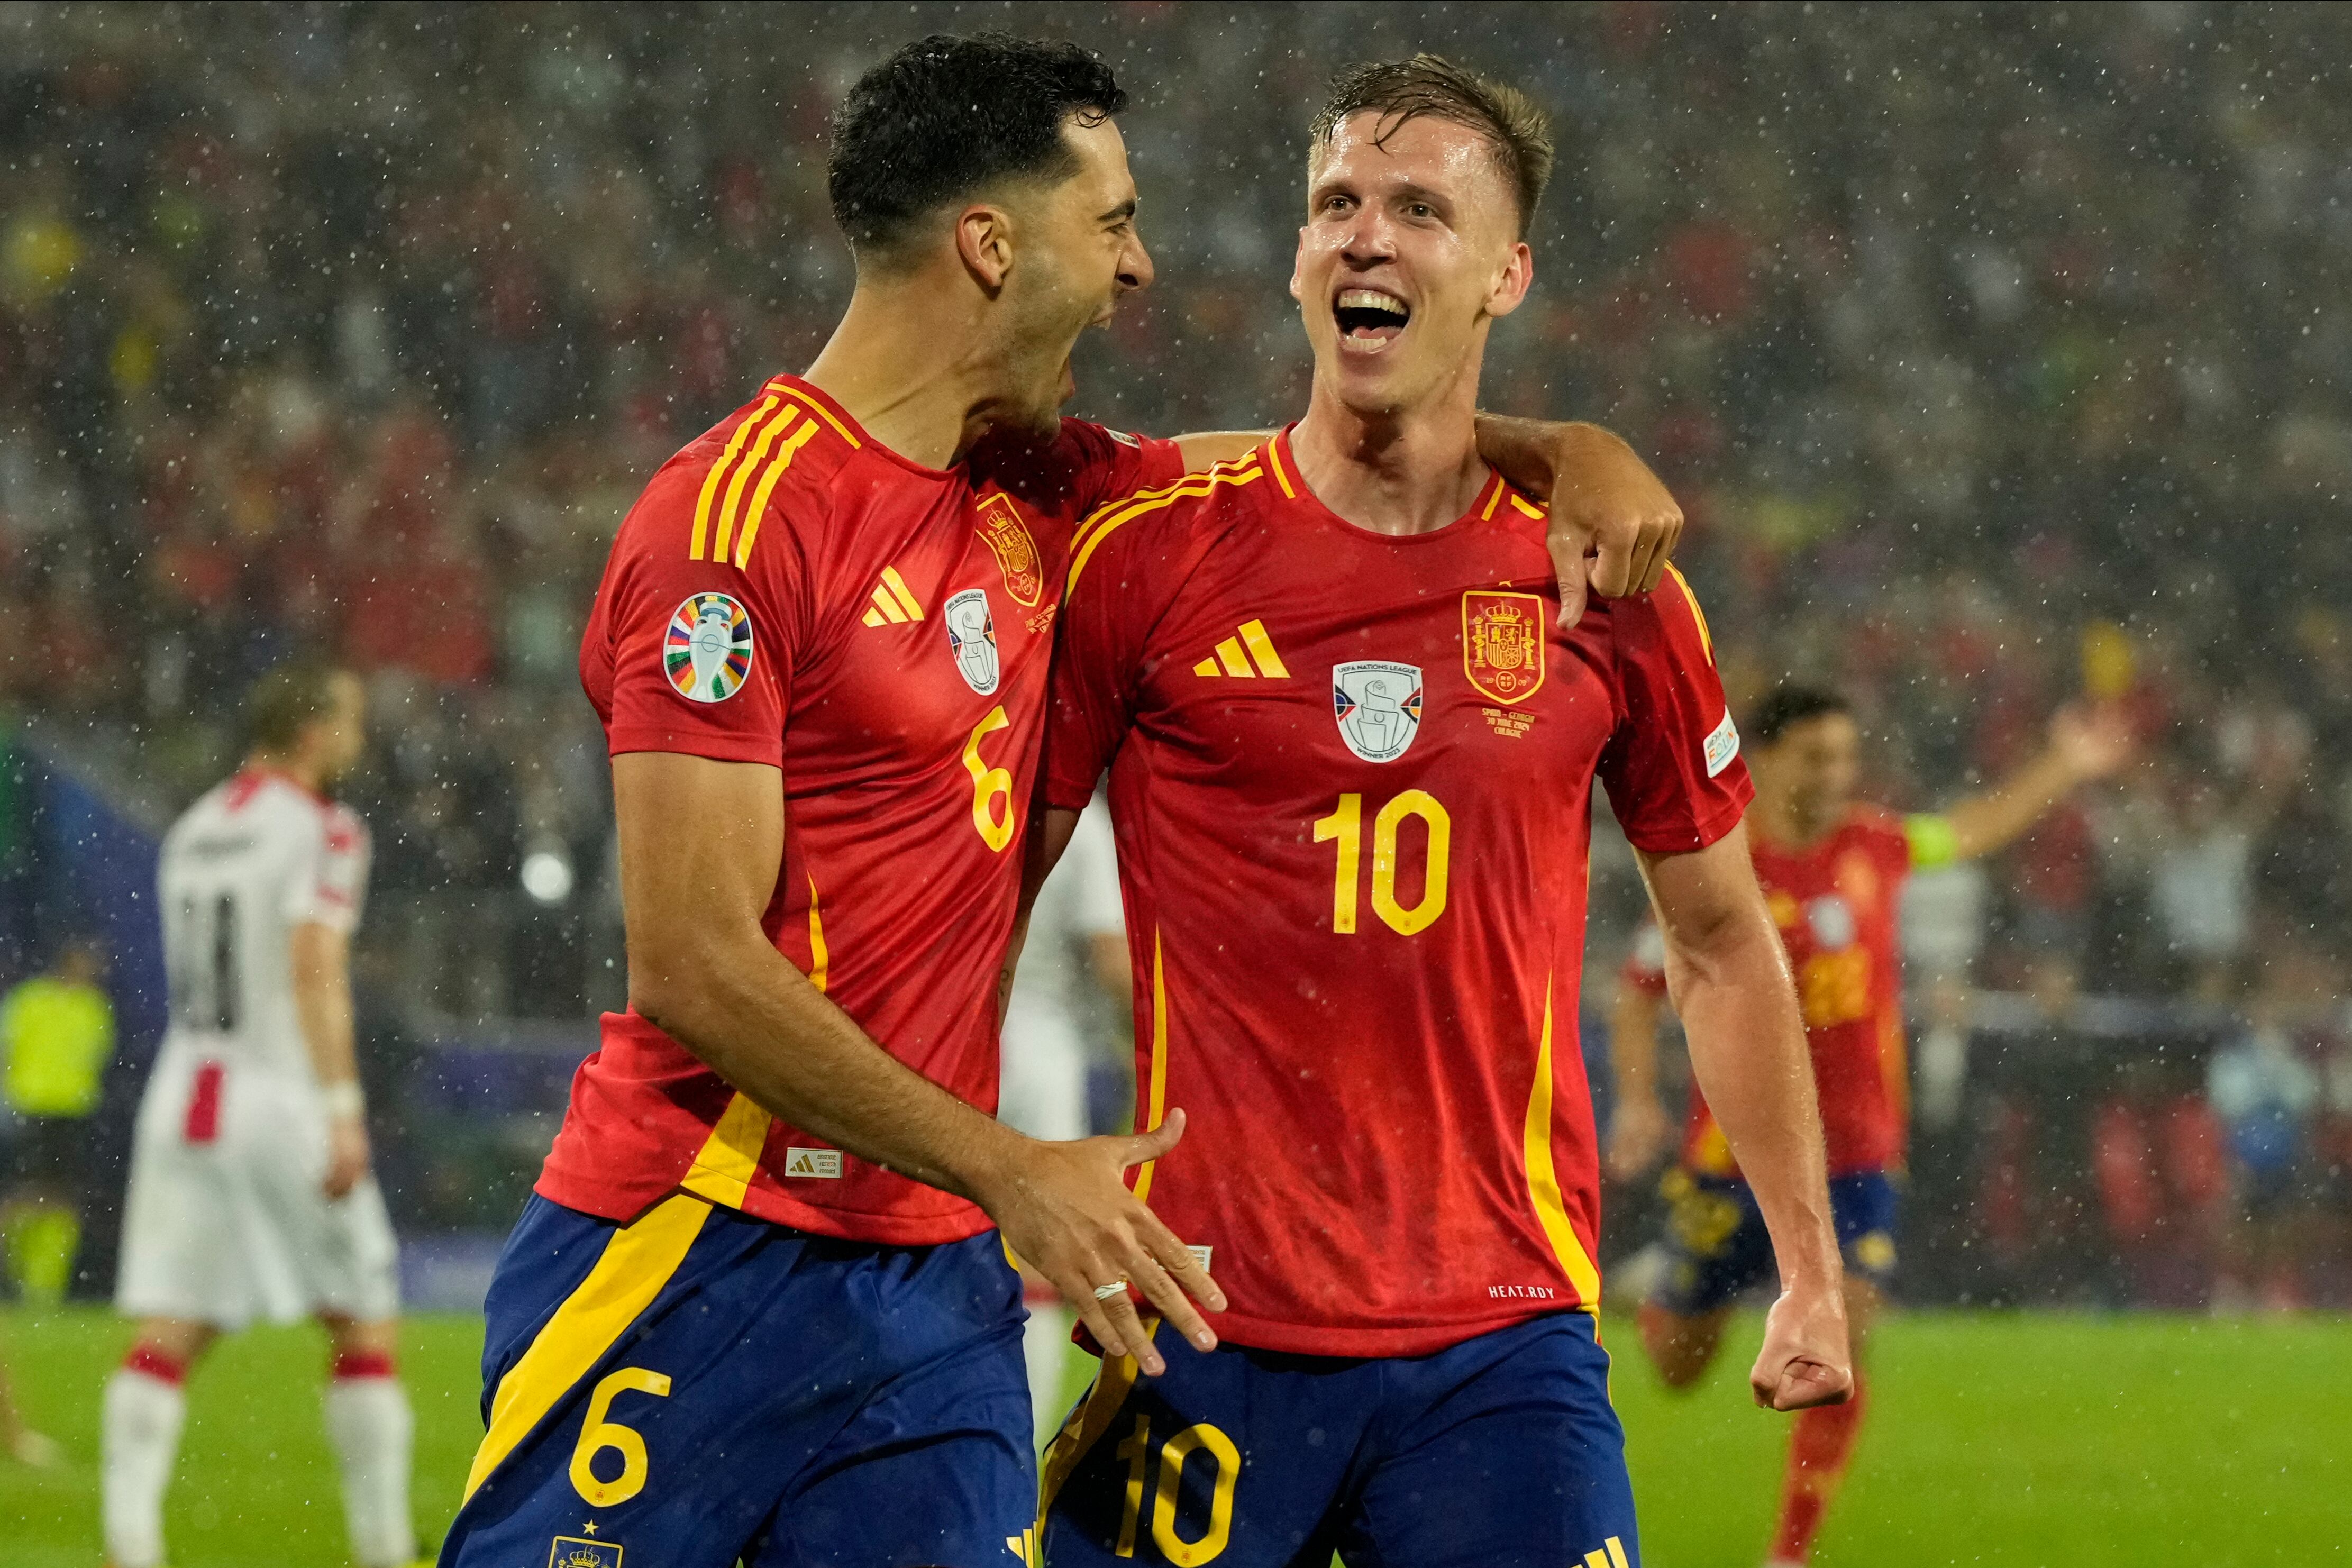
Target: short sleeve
x=1107, y=464
x=329, y=880
x=1097, y=667
x=1672, y=768
x=693, y=654
x=1644, y=968
x=1085, y=468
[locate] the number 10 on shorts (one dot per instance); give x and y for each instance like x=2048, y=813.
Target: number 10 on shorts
x=1136, y=1449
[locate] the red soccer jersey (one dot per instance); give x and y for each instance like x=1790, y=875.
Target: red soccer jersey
x=1836, y=903
x=1352, y=780
x=787, y=591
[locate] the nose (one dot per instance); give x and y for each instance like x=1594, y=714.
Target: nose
x=1368, y=238
x=1135, y=269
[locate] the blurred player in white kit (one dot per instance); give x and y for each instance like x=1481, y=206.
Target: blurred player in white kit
x=1072, y=956
x=250, y=1192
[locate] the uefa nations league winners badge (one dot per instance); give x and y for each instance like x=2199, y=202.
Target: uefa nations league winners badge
x=971, y=638
x=1377, y=705
x=708, y=651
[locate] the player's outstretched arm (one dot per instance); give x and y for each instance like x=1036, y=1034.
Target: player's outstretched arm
x=1728, y=975
x=1639, y=1126
x=322, y=1006
x=700, y=844
x=1614, y=524
x=2084, y=745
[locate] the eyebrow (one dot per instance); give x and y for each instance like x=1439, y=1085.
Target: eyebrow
x=1125, y=209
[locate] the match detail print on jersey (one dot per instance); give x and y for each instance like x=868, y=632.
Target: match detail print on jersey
x=1377, y=705
x=972, y=640
x=707, y=653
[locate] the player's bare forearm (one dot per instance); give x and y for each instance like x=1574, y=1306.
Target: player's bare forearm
x=702, y=969
x=1729, y=978
x=1613, y=523
x=1633, y=1043
x=1638, y=1126
x=322, y=1002
x=1729, y=974
x=700, y=844
x=322, y=1009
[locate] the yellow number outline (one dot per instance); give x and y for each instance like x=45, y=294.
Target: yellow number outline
x=597, y=1434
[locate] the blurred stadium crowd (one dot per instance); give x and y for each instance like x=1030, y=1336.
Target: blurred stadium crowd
x=1999, y=356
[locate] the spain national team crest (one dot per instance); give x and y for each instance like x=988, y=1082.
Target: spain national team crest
x=576, y=1552
x=1016, y=552
x=707, y=653
x=971, y=638
x=1377, y=705
x=1503, y=644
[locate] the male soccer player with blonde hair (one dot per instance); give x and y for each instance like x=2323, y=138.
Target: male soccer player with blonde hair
x=1351, y=757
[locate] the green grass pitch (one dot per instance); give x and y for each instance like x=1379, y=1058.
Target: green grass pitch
x=2027, y=1441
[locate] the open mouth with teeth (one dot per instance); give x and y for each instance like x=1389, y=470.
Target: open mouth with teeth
x=1370, y=318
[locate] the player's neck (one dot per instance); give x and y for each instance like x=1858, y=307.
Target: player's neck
x=909, y=362
x=1410, y=470
x=303, y=771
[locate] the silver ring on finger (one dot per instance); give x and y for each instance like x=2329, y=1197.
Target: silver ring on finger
x=1107, y=1292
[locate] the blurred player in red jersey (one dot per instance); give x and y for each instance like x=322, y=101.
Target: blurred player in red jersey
x=1351, y=763
x=820, y=655
x=1833, y=873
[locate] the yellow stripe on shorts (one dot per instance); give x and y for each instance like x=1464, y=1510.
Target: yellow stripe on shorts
x=638, y=1260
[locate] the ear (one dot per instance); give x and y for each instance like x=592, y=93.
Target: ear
x=1519, y=275
x=984, y=239
x=1299, y=260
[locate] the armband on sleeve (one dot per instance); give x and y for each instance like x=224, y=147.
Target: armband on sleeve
x=1933, y=839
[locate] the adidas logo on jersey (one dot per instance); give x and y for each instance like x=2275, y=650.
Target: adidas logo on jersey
x=1247, y=654
x=894, y=601
x=824, y=1164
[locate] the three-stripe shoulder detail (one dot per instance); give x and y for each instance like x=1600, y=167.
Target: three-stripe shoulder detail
x=733, y=500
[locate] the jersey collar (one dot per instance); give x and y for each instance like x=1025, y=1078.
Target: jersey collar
x=1283, y=466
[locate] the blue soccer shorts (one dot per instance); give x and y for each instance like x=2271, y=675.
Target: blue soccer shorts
x=1499, y=1452
x=699, y=1387
x=1717, y=1246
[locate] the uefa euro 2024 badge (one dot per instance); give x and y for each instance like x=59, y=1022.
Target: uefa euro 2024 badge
x=707, y=653
x=971, y=638
x=1377, y=705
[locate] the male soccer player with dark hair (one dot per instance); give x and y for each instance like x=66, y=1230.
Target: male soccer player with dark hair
x=1351, y=762
x=250, y=1192
x=1833, y=873
x=754, y=1309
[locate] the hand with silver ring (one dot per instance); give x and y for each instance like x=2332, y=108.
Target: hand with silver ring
x=1117, y=1288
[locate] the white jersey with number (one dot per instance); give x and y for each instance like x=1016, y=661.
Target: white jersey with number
x=247, y=864
x=227, y=1219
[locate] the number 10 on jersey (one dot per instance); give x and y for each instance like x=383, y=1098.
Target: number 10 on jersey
x=1346, y=825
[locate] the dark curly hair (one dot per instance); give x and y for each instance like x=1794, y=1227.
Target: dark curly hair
x=946, y=118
